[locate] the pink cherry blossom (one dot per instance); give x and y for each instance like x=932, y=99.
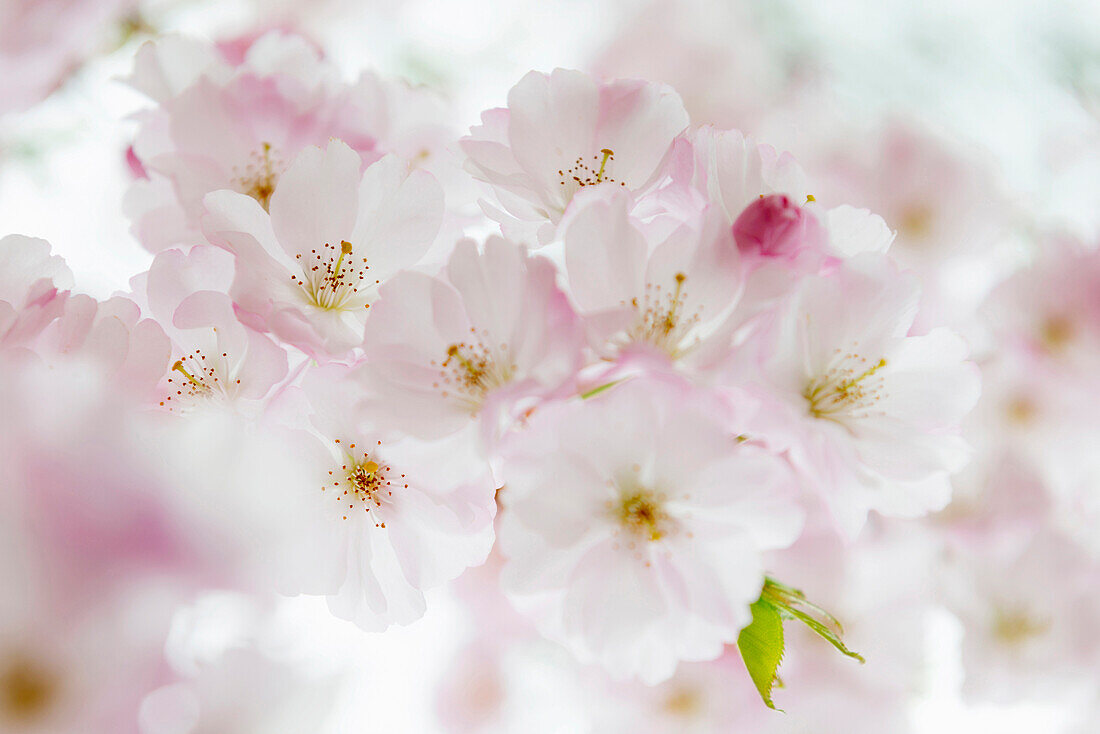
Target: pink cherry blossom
x=308, y=271
x=33, y=288
x=241, y=690
x=634, y=522
x=478, y=342
x=43, y=41
x=217, y=362
x=1028, y=632
x=114, y=337
x=868, y=413
x=732, y=170
x=330, y=505
x=394, y=517
x=563, y=132
x=673, y=298
x=774, y=226
x=223, y=127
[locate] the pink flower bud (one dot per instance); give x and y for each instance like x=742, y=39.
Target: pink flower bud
x=774, y=226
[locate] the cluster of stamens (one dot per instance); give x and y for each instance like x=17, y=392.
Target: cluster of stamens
x=470, y=370
x=259, y=176
x=1056, y=332
x=662, y=320
x=638, y=512
x=852, y=386
x=194, y=377
x=1014, y=627
x=362, y=482
x=26, y=690
x=582, y=173
x=332, y=278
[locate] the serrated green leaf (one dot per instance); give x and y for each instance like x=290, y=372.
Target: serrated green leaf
x=791, y=603
x=824, y=631
x=761, y=646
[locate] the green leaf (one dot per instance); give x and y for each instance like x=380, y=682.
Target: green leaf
x=761, y=646
x=824, y=631
x=792, y=604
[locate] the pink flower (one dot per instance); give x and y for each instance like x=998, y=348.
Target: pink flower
x=1029, y=616
x=774, y=226
x=217, y=362
x=731, y=170
x=219, y=126
x=494, y=331
x=394, y=517
x=672, y=298
x=241, y=690
x=308, y=271
x=110, y=336
x=562, y=132
x=43, y=41
x=633, y=525
x=713, y=696
x=31, y=283
x=869, y=414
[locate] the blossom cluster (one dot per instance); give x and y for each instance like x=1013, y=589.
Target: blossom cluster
x=662, y=370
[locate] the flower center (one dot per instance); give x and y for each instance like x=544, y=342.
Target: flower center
x=26, y=689
x=916, y=221
x=1014, y=627
x=850, y=387
x=332, y=279
x=662, y=320
x=1056, y=333
x=195, y=379
x=259, y=176
x=472, y=370
x=586, y=172
x=363, y=482
x=640, y=511
x=684, y=702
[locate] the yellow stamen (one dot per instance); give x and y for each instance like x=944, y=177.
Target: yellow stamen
x=607, y=153
x=178, y=367
x=670, y=317
x=345, y=249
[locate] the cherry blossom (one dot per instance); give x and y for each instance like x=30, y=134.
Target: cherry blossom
x=41, y=43
x=633, y=526
x=308, y=271
x=33, y=288
x=868, y=413
x=673, y=298
x=219, y=126
x=477, y=342
x=217, y=362
x=563, y=132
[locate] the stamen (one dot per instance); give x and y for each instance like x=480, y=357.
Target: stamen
x=178, y=367
x=661, y=320
x=582, y=173
x=640, y=512
x=364, y=482
x=1014, y=627
x=203, y=379
x=472, y=370
x=333, y=280
x=844, y=390
x=26, y=690
x=260, y=176
x=607, y=153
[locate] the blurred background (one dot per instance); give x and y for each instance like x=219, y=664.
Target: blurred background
x=972, y=127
